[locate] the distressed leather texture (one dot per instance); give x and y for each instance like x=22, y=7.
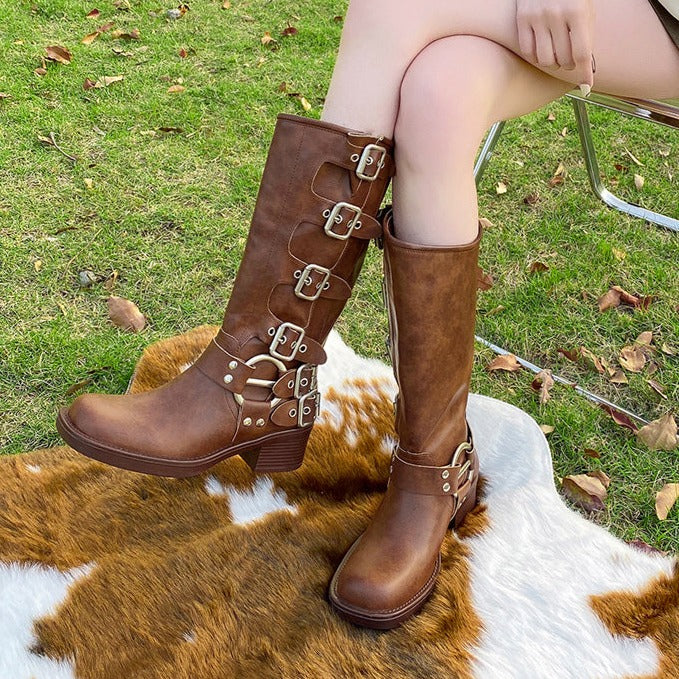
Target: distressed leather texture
x=431, y=298
x=311, y=170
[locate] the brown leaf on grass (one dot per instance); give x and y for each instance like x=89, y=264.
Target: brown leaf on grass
x=632, y=358
x=4, y=95
x=537, y=267
x=40, y=71
x=90, y=38
x=551, y=117
x=602, y=476
x=501, y=188
x=338, y=18
x=531, y=199
x=125, y=314
x=506, y=362
x=617, y=376
x=126, y=35
x=226, y=4
x=660, y=434
x=283, y=87
x=173, y=89
x=289, y=30
x=107, y=80
x=183, y=8
x=585, y=491
x=667, y=349
x=305, y=104
x=484, y=281
x=183, y=53
x=570, y=354
x=665, y=499
x=591, y=360
x=267, y=38
x=59, y=54
x=644, y=338
x=558, y=176
x=619, y=418
x=486, y=223
x=542, y=383
x=547, y=428
x=639, y=182
x=93, y=14
x=616, y=296
x=657, y=387
x=591, y=452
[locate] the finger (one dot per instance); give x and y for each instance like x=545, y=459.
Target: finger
x=527, y=41
x=544, y=46
x=581, y=49
x=561, y=40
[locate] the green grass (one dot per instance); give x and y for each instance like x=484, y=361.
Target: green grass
x=169, y=212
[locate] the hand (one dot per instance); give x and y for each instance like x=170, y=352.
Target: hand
x=558, y=33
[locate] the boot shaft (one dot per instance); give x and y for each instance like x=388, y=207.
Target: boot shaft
x=431, y=300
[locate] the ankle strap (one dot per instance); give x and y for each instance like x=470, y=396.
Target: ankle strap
x=453, y=479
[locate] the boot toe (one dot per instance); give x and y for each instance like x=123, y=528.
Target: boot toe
x=91, y=414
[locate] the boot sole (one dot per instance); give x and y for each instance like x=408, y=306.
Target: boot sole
x=279, y=452
x=385, y=620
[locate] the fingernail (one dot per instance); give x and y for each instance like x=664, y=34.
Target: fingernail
x=585, y=89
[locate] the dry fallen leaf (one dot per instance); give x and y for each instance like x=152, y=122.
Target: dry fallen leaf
x=558, y=177
x=266, y=38
x=632, y=358
x=93, y=14
x=660, y=434
x=665, y=499
x=645, y=547
x=289, y=30
x=125, y=35
x=585, y=491
x=107, y=80
x=226, y=4
x=486, y=223
x=551, y=117
x=89, y=183
x=657, y=387
x=547, y=428
x=90, y=38
x=501, y=188
x=59, y=54
x=667, y=349
x=484, y=281
x=542, y=383
x=591, y=452
x=305, y=104
x=176, y=88
x=619, y=418
x=602, y=476
x=125, y=314
x=638, y=181
x=506, y=362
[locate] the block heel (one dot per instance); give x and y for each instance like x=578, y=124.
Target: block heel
x=283, y=454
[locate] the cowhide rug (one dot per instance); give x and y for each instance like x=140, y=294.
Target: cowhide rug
x=106, y=574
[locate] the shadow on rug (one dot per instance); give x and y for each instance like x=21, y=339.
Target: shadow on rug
x=106, y=574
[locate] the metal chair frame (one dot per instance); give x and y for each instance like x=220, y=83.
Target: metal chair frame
x=659, y=112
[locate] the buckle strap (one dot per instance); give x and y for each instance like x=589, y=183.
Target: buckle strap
x=311, y=281
x=300, y=412
x=290, y=342
x=296, y=383
x=345, y=220
x=453, y=479
x=223, y=368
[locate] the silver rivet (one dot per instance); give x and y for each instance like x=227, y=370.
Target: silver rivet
x=233, y=365
x=228, y=378
x=260, y=422
x=446, y=487
x=247, y=421
x=445, y=474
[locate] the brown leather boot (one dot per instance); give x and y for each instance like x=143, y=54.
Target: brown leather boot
x=388, y=573
x=253, y=391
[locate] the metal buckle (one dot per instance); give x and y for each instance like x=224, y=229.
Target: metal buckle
x=305, y=380
x=280, y=338
x=307, y=414
x=466, y=468
x=335, y=217
x=255, y=381
x=307, y=278
x=366, y=160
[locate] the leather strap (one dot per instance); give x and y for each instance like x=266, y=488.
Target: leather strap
x=312, y=280
x=454, y=479
x=302, y=379
x=297, y=412
x=369, y=226
x=282, y=338
x=223, y=368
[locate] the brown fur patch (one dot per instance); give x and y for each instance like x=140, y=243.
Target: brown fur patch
x=179, y=590
x=653, y=613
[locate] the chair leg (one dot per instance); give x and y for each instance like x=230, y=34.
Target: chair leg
x=584, y=130
x=487, y=150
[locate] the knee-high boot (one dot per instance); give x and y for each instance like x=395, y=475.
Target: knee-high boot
x=390, y=571
x=253, y=391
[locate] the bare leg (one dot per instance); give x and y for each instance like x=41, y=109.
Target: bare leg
x=451, y=93
x=452, y=81
x=382, y=37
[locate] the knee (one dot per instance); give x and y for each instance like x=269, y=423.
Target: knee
x=446, y=87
